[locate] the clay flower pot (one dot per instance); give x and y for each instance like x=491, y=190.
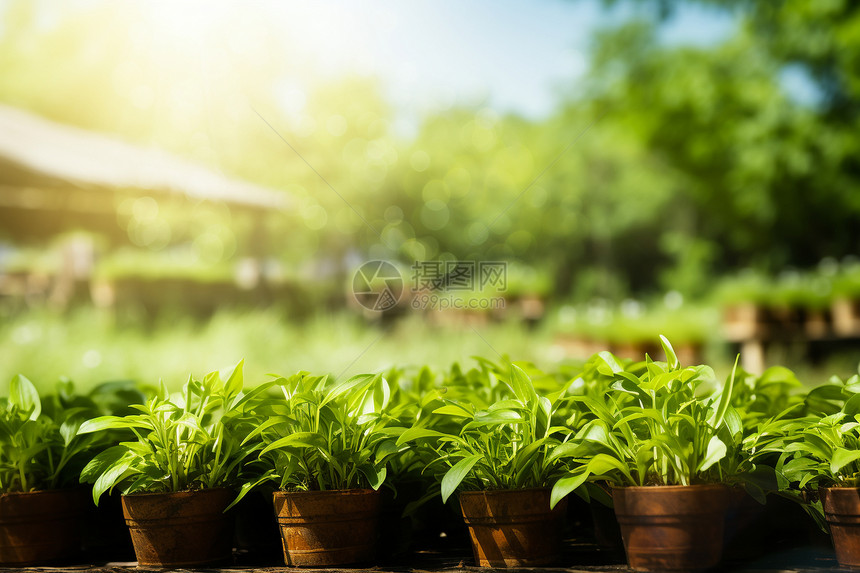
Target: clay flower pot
x=326, y=528
x=179, y=529
x=513, y=528
x=671, y=528
x=842, y=512
x=41, y=526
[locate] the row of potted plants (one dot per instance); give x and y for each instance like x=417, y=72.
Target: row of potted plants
x=630, y=330
x=813, y=304
x=670, y=448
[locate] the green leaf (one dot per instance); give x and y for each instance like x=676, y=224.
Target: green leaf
x=671, y=357
x=375, y=476
x=852, y=406
x=110, y=423
x=522, y=385
x=725, y=397
x=413, y=434
x=841, y=458
x=233, y=378
x=565, y=485
x=69, y=429
x=385, y=449
x=610, y=364
x=454, y=409
x=247, y=486
x=715, y=452
x=661, y=380
x=571, y=449
x=813, y=445
x=630, y=384
x=603, y=464
x=779, y=375
x=649, y=413
x=112, y=475
x=524, y=458
x=348, y=387
x=99, y=463
x=23, y=394
x=495, y=418
x=506, y=405
x=298, y=440
x=391, y=431
x=734, y=422
x=452, y=479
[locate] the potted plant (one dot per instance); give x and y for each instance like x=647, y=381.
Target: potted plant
x=659, y=443
x=759, y=512
x=105, y=535
x=178, y=477
x=326, y=448
x=498, y=457
x=41, y=515
x=821, y=459
x=407, y=519
x=744, y=299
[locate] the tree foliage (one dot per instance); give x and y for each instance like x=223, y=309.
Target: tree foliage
x=665, y=165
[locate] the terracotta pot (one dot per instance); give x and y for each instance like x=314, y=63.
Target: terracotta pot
x=842, y=512
x=179, y=529
x=671, y=528
x=325, y=528
x=513, y=528
x=41, y=526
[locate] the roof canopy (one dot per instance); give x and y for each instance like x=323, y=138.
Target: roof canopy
x=38, y=153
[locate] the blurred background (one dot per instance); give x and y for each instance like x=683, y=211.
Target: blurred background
x=184, y=184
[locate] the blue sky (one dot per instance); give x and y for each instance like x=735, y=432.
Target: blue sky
x=511, y=56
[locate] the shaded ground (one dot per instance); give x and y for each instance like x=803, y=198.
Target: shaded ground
x=454, y=556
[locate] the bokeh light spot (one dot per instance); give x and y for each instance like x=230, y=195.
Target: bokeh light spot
x=336, y=125
x=315, y=217
x=419, y=160
x=435, y=190
x=435, y=215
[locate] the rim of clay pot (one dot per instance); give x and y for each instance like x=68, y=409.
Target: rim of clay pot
x=504, y=491
x=351, y=490
x=178, y=493
x=355, y=491
x=40, y=492
x=671, y=487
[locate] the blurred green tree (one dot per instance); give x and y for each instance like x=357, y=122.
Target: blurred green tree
x=696, y=161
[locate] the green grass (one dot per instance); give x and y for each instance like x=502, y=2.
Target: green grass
x=90, y=347
x=610, y=324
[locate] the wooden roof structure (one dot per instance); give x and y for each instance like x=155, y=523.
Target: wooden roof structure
x=60, y=177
